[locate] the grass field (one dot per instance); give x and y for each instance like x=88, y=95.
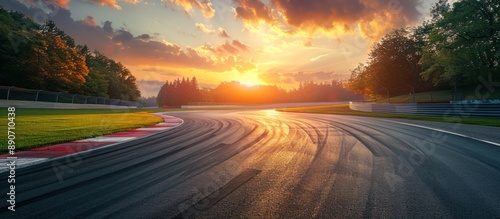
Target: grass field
x=40, y=127
x=343, y=109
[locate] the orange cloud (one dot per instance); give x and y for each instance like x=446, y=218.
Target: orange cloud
x=205, y=6
x=138, y=52
x=132, y=1
x=143, y=49
x=204, y=28
x=64, y=3
x=223, y=33
x=373, y=18
x=253, y=11
x=89, y=21
x=240, y=45
x=108, y=3
x=233, y=48
x=60, y=3
x=307, y=43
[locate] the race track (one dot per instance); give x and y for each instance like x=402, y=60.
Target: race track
x=267, y=164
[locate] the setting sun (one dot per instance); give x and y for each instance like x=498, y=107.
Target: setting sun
x=249, y=83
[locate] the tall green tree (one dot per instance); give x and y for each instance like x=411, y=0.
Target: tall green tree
x=66, y=68
x=38, y=57
x=464, y=44
x=357, y=82
x=19, y=39
x=393, y=66
x=45, y=57
x=95, y=81
x=121, y=83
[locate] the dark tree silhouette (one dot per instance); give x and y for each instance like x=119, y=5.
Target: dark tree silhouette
x=185, y=91
x=45, y=57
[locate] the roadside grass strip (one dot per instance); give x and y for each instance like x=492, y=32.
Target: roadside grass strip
x=36, y=155
x=42, y=127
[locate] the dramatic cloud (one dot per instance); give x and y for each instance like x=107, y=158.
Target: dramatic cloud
x=254, y=11
x=133, y=1
x=144, y=37
x=107, y=27
x=233, y=48
x=122, y=36
x=64, y=3
x=223, y=33
x=205, y=6
x=59, y=3
x=123, y=46
x=134, y=51
x=240, y=45
x=290, y=78
x=204, y=28
x=109, y=3
x=373, y=18
x=89, y=20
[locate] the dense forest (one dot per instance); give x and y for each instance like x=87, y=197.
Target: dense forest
x=459, y=47
x=44, y=57
x=184, y=91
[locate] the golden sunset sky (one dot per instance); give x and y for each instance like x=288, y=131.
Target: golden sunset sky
x=282, y=42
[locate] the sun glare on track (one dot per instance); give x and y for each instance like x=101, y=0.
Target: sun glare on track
x=271, y=113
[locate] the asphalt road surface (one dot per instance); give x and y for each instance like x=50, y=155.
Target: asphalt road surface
x=267, y=164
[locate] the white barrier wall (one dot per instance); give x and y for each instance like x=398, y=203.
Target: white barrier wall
x=365, y=107
x=432, y=109
x=51, y=105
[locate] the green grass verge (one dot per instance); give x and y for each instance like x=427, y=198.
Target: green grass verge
x=343, y=109
x=41, y=127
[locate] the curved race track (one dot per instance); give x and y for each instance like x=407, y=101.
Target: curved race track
x=267, y=164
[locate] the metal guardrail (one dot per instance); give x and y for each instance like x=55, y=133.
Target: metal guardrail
x=16, y=93
x=429, y=109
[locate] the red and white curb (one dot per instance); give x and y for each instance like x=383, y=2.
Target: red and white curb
x=37, y=155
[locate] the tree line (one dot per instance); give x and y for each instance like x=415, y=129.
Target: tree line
x=458, y=47
x=44, y=57
x=184, y=91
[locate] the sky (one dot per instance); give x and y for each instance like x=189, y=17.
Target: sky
x=281, y=42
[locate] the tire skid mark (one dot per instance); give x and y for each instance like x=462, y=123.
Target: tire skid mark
x=138, y=165
x=459, y=149
x=311, y=191
x=224, y=191
x=105, y=172
x=197, y=171
x=389, y=149
x=423, y=171
x=100, y=155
